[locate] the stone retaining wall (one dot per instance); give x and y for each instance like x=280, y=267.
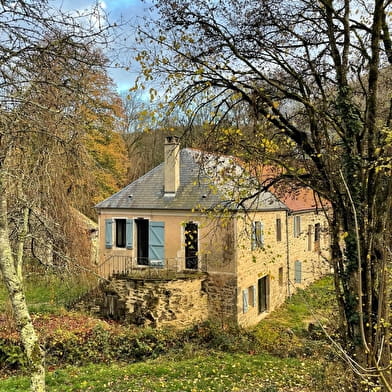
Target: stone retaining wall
x=177, y=302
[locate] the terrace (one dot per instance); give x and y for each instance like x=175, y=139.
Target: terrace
x=144, y=268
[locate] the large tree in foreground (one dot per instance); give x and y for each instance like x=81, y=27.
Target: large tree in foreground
x=40, y=92
x=319, y=72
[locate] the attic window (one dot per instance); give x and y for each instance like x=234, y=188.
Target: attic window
x=130, y=196
x=204, y=196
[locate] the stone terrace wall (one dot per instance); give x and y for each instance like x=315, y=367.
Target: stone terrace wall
x=178, y=302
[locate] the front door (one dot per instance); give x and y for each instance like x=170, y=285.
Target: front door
x=191, y=245
x=142, y=229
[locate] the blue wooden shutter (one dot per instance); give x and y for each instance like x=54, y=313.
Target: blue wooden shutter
x=297, y=226
x=261, y=234
x=298, y=272
x=108, y=233
x=253, y=239
x=245, y=300
x=156, y=250
x=129, y=233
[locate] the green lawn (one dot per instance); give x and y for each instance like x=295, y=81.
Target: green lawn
x=204, y=372
x=48, y=292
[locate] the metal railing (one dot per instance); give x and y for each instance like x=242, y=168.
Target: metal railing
x=168, y=268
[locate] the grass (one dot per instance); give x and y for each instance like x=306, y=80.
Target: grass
x=204, y=372
x=286, y=332
x=49, y=293
x=315, y=303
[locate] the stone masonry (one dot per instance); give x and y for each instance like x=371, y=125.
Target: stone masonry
x=156, y=303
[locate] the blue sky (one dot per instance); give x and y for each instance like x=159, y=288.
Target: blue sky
x=126, y=10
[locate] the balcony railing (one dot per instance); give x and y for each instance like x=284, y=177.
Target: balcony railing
x=169, y=268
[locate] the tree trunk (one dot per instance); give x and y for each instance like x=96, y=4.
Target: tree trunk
x=364, y=281
x=21, y=243
x=15, y=289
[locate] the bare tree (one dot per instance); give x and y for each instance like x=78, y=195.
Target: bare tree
x=32, y=33
x=313, y=71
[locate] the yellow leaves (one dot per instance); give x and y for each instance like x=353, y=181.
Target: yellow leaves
x=147, y=72
x=187, y=38
x=153, y=93
x=141, y=56
x=344, y=235
x=232, y=132
x=268, y=145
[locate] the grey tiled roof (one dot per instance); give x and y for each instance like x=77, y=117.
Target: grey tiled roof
x=199, y=189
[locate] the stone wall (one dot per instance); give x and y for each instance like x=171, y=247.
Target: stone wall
x=313, y=256
x=274, y=263
x=157, y=303
x=177, y=302
x=259, y=263
x=222, y=295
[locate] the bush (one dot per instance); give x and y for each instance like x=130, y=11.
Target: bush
x=12, y=356
x=86, y=340
x=228, y=338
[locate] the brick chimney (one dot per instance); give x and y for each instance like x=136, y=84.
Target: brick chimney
x=172, y=165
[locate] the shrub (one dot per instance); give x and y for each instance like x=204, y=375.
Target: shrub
x=12, y=356
x=228, y=338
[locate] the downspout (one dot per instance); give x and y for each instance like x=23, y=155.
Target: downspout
x=288, y=253
x=235, y=261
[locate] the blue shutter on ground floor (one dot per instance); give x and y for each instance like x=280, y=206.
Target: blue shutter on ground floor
x=245, y=302
x=298, y=272
x=129, y=233
x=253, y=295
x=108, y=233
x=156, y=250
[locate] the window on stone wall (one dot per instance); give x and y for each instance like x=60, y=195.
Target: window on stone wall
x=120, y=233
x=310, y=237
x=317, y=232
x=278, y=229
x=280, y=276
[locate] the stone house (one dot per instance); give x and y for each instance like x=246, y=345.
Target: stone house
x=193, y=239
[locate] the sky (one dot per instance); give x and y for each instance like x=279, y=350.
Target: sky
x=117, y=11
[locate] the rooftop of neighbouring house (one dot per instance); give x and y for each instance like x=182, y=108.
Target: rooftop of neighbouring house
x=296, y=197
